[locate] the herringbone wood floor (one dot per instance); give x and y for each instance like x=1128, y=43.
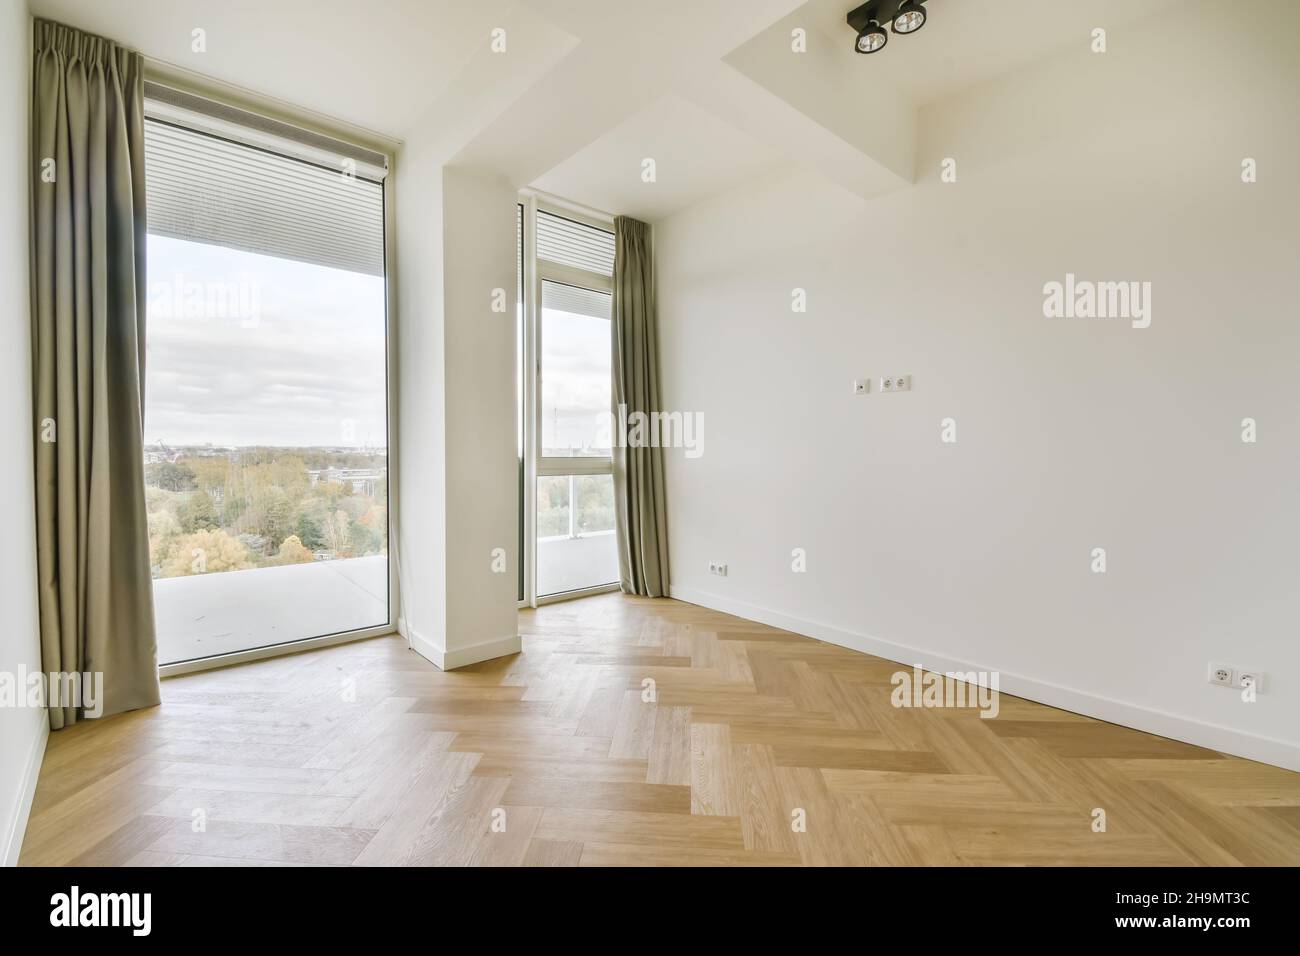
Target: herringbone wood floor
x=750, y=724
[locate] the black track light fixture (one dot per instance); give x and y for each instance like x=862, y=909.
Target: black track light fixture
x=905, y=17
x=909, y=18
x=871, y=38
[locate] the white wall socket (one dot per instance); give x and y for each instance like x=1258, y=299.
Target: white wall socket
x=861, y=386
x=718, y=567
x=1223, y=675
x=896, y=383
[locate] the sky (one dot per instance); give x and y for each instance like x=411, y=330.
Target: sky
x=575, y=380
x=248, y=349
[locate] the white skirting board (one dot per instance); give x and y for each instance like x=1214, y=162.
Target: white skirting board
x=16, y=828
x=446, y=660
x=1270, y=750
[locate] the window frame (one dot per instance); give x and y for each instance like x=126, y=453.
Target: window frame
x=221, y=94
x=537, y=271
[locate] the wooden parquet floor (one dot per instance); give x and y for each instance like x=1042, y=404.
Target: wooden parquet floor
x=367, y=754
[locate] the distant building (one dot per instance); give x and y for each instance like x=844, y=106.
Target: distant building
x=159, y=453
x=364, y=481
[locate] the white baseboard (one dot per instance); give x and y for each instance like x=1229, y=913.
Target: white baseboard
x=446, y=660
x=16, y=828
x=1270, y=750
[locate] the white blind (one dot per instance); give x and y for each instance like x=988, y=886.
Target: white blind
x=569, y=243
x=189, y=111
x=572, y=298
x=207, y=188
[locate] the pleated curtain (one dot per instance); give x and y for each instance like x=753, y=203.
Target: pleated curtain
x=88, y=317
x=639, y=503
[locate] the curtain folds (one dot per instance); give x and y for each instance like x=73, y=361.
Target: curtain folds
x=640, y=512
x=88, y=313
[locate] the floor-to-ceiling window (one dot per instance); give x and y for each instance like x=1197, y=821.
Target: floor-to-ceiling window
x=266, y=423
x=521, y=420
x=572, y=501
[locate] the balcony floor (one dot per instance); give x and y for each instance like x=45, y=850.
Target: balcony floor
x=211, y=614
x=570, y=564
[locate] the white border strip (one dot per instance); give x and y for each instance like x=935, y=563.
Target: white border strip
x=1270, y=750
x=284, y=649
x=17, y=828
x=446, y=660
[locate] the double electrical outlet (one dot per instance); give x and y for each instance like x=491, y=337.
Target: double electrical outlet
x=889, y=383
x=718, y=568
x=1225, y=675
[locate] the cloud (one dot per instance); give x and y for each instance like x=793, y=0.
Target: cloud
x=269, y=351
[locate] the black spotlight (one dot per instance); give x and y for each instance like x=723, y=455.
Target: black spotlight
x=909, y=18
x=872, y=38
x=904, y=16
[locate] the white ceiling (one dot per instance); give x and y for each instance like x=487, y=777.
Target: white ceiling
x=376, y=64
x=695, y=155
x=709, y=89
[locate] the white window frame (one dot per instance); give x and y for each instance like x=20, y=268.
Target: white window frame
x=537, y=271
x=242, y=99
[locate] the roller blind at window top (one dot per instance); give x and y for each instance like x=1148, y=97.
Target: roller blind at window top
x=207, y=188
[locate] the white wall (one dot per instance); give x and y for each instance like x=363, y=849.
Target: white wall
x=22, y=730
x=421, y=527
x=455, y=244
x=1072, y=434
x=479, y=215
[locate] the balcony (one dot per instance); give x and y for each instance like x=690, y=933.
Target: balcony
x=571, y=563
x=207, y=614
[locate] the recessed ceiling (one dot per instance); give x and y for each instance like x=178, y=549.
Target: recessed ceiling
x=965, y=42
x=695, y=155
x=377, y=64
x=711, y=92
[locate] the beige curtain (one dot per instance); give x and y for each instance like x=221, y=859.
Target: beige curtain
x=88, y=309
x=642, y=529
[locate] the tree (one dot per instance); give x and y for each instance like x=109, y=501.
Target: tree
x=210, y=474
x=270, y=514
x=552, y=506
x=158, y=499
x=232, y=509
x=163, y=524
x=309, y=530
x=173, y=476
x=595, y=504
x=363, y=539
x=163, y=530
x=286, y=472
x=293, y=552
x=337, y=532
x=255, y=543
x=197, y=512
x=260, y=497
x=370, y=531
x=206, y=552
x=334, y=491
